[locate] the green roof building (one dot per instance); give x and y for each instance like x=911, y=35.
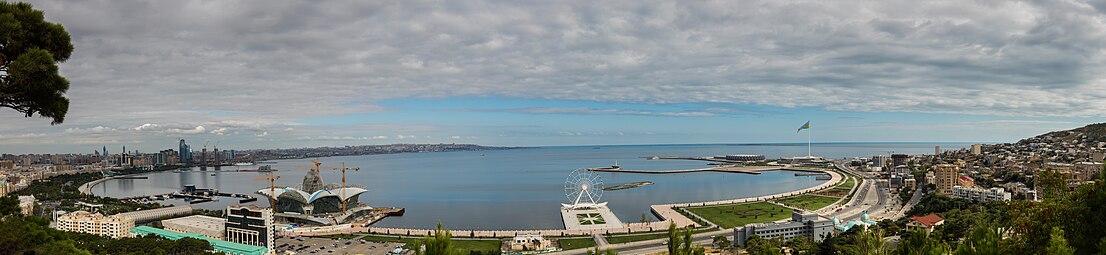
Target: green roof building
x=217, y=245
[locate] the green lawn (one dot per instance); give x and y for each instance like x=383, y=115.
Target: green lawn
x=576, y=243
x=465, y=245
x=728, y=216
x=627, y=239
x=808, y=202
x=848, y=184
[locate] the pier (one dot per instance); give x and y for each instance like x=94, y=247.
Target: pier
x=723, y=168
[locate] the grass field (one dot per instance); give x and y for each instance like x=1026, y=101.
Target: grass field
x=576, y=243
x=627, y=239
x=728, y=216
x=464, y=245
x=808, y=202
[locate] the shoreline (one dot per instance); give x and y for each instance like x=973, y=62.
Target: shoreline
x=666, y=212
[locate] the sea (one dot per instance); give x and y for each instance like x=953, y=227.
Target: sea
x=518, y=189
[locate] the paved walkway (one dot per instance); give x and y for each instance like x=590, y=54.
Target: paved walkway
x=667, y=213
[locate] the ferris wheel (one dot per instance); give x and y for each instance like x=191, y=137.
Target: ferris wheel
x=584, y=188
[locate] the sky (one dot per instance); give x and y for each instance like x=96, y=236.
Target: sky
x=283, y=74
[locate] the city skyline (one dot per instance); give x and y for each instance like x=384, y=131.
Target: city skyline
x=509, y=74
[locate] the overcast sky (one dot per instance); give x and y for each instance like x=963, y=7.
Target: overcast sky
x=257, y=74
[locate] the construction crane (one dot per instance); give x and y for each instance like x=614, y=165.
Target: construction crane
x=318, y=166
x=272, y=187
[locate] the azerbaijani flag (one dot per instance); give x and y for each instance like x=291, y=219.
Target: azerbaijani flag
x=805, y=126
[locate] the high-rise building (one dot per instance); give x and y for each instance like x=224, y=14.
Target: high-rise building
x=899, y=159
x=977, y=149
x=185, y=154
x=879, y=161
x=250, y=225
x=946, y=177
x=937, y=150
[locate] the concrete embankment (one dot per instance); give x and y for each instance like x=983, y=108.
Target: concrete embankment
x=666, y=212
x=87, y=187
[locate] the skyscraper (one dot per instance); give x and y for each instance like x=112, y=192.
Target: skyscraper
x=185, y=154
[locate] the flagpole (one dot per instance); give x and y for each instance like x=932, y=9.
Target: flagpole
x=808, y=142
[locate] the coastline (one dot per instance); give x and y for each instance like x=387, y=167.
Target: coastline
x=666, y=212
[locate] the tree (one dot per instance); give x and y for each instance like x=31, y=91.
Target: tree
x=801, y=245
x=439, y=244
x=1057, y=245
x=983, y=240
x=680, y=242
x=867, y=242
x=9, y=205
x=604, y=252
x=918, y=242
x=30, y=49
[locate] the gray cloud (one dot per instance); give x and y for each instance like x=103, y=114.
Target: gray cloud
x=269, y=64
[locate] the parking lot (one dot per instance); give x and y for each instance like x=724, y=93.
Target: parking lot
x=312, y=245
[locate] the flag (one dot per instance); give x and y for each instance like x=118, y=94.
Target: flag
x=805, y=126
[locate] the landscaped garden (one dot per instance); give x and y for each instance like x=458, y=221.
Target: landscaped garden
x=728, y=216
x=809, y=202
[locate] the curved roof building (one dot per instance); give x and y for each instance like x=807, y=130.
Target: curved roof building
x=312, y=197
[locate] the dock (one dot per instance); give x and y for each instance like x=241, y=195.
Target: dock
x=724, y=169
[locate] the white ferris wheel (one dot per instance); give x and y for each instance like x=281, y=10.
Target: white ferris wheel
x=583, y=188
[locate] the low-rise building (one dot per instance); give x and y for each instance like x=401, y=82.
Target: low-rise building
x=114, y=226
x=927, y=222
x=529, y=242
x=801, y=225
x=980, y=194
x=208, y=226
x=159, y=213
x=220, y=246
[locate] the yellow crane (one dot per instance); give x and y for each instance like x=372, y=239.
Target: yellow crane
x=343, y=169
x=272, y=187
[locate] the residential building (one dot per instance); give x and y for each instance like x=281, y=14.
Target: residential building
x=802, y=224
x=910, y=183
x=879, y=161
x=26, y=205
x=212, y=227
x=250, y=225
x=945, y=177
x=980, y=194
x=927, y=222
x=899, y=159
x=977, y=149
x=114, y=226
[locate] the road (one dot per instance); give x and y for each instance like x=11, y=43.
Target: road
x=872, y=196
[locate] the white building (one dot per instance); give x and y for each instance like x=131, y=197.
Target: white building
x=114, y=226
x=801, y=224
x=980, y=194
x=208, y=226
x=26, y=205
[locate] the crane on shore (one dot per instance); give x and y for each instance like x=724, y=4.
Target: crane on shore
x=272, y=187
x=318, y=166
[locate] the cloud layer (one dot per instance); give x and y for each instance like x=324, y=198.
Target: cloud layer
x=182, y=65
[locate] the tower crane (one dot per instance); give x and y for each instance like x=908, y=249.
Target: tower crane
x=318, y=166
x=272, y=187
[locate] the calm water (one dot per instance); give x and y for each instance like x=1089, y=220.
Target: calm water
x=520, y=189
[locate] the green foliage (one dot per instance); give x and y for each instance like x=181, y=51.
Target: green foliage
x=30, y=49
x=1057, y=245
x=9, y=205
x=918, y=242
x=64, y=189
x=722, y=242
x=984, y=240
x=867, y=242
x=756, y=245
x=680, y=242
x=439, y=244
x=801, y=245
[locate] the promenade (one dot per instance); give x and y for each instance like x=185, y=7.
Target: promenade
x=666, y=212
x=724, y=169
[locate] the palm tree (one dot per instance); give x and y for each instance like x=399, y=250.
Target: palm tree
x=867, y=242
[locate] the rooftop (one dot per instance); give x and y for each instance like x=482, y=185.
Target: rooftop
x=218, y=245
x=928, y=220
